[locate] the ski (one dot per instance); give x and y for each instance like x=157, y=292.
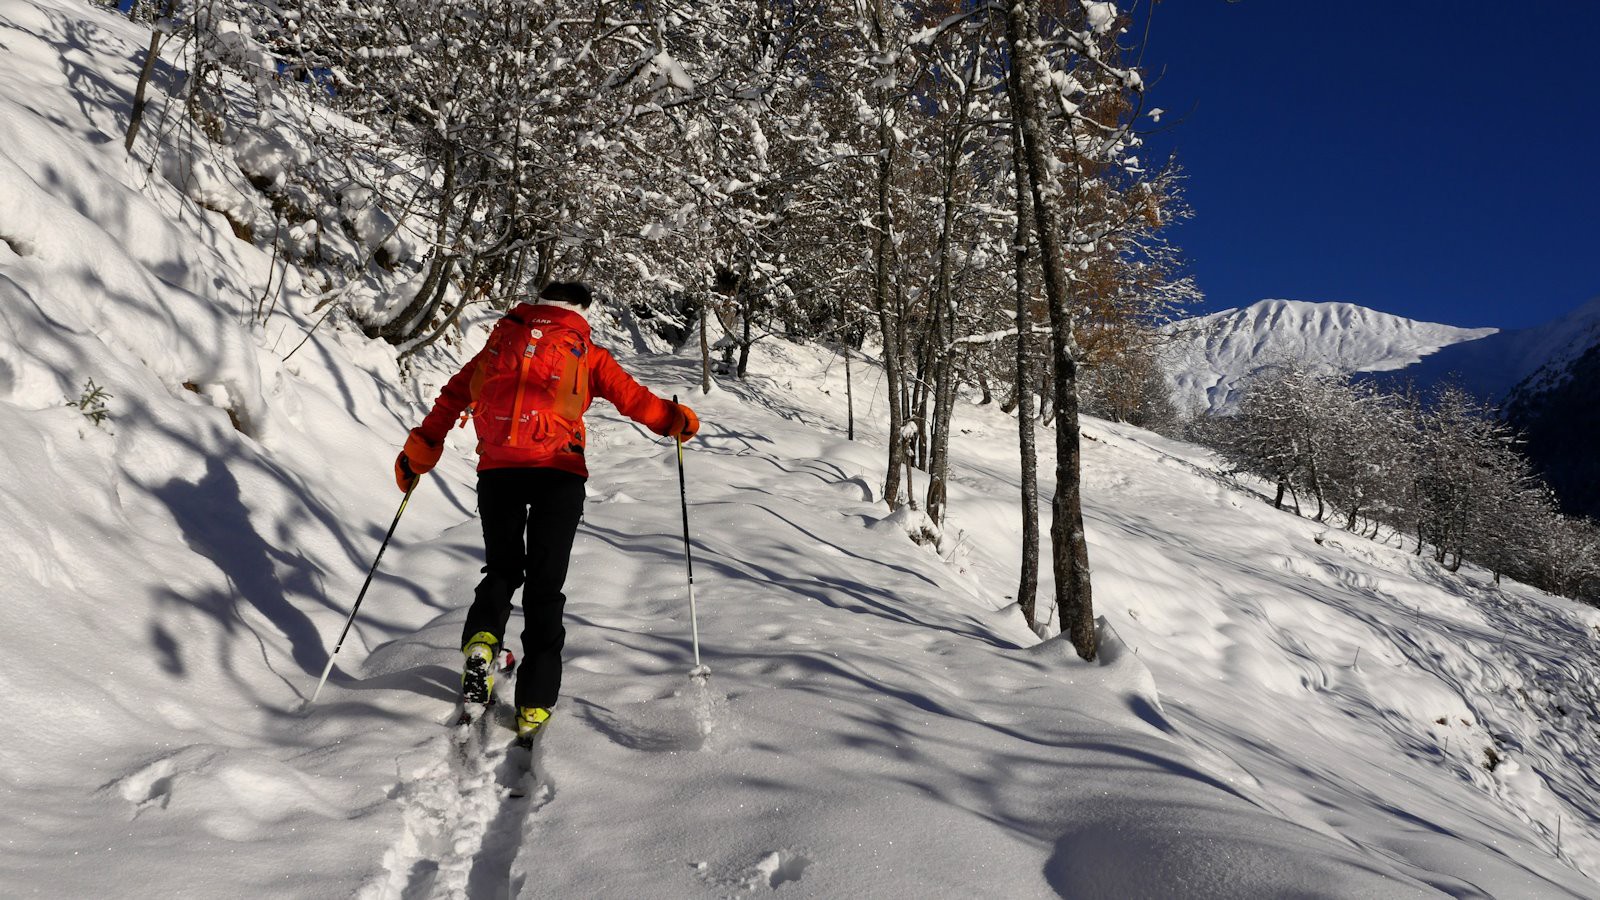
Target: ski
x=473, y=723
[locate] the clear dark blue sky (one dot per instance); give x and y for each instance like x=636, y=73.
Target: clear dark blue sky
x=1436, y=159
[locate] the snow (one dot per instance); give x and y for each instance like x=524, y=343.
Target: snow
x=1279, y=708
x=1101, y=15
x=670, y=72
x=1212, y=356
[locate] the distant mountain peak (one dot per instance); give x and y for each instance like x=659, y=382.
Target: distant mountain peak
x=1215, y=354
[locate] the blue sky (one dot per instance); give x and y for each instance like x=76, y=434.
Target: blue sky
x=1432, y=159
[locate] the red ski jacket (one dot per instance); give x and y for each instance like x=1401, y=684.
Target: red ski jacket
x=604, y=379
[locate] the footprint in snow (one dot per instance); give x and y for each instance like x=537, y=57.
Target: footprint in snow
x=771, y=871
x=780, y=866
x=149, y=787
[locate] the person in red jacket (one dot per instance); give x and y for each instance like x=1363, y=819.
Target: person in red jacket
x=526, y=392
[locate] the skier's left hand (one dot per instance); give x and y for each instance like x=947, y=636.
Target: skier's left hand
x=416, y=459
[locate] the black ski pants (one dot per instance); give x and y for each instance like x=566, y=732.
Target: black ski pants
x=542, y=506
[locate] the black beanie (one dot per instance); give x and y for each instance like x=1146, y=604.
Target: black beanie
x=573, y=292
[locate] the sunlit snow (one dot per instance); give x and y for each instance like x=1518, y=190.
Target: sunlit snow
x=1279, y=708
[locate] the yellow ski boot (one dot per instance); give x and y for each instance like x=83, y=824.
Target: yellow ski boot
x=530, y=721
x=477, y=677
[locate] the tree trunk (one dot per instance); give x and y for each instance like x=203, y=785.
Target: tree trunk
x=849, y=395
x=1046, y=378
x=1028, y=578
x=1069, y=543
x=151, y=54
x=943, y=353
x=744, y=344
x=888, y=319
x=917, y=408
x=939, y=451
x=892, y=382
x=705, y=346
x=404, y=325
x=1316, y=482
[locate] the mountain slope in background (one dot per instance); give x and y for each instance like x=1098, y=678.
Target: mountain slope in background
x=1546, y=382
x=1544, y=379
x=1212, y=356
x=1557, y=410
x=1528, y=360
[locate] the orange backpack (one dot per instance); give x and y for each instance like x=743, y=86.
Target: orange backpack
x=532, y=386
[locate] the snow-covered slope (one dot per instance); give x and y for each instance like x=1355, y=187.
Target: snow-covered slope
x=1213, y=355
x=1277, y=712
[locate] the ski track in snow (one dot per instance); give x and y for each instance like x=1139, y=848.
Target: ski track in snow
x=463, y=829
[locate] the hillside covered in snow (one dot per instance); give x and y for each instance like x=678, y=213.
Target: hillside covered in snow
x=1278, y=710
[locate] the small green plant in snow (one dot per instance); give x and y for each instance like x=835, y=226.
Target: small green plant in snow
x=93, y=402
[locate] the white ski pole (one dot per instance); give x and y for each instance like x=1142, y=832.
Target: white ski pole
x=699, y=671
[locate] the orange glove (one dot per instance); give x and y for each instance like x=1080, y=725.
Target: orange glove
x=418, y=457
x=684, y=424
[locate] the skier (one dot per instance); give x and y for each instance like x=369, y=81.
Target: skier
x=526, y=392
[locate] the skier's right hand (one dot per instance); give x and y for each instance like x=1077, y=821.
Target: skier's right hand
x=416, y=459
x=684, y=424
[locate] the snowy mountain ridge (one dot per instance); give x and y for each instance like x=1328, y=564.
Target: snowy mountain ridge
x=1278, y=711
x=1213, y=355
x=1524, y=361
x=1556, y=409
x=1542, y=378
